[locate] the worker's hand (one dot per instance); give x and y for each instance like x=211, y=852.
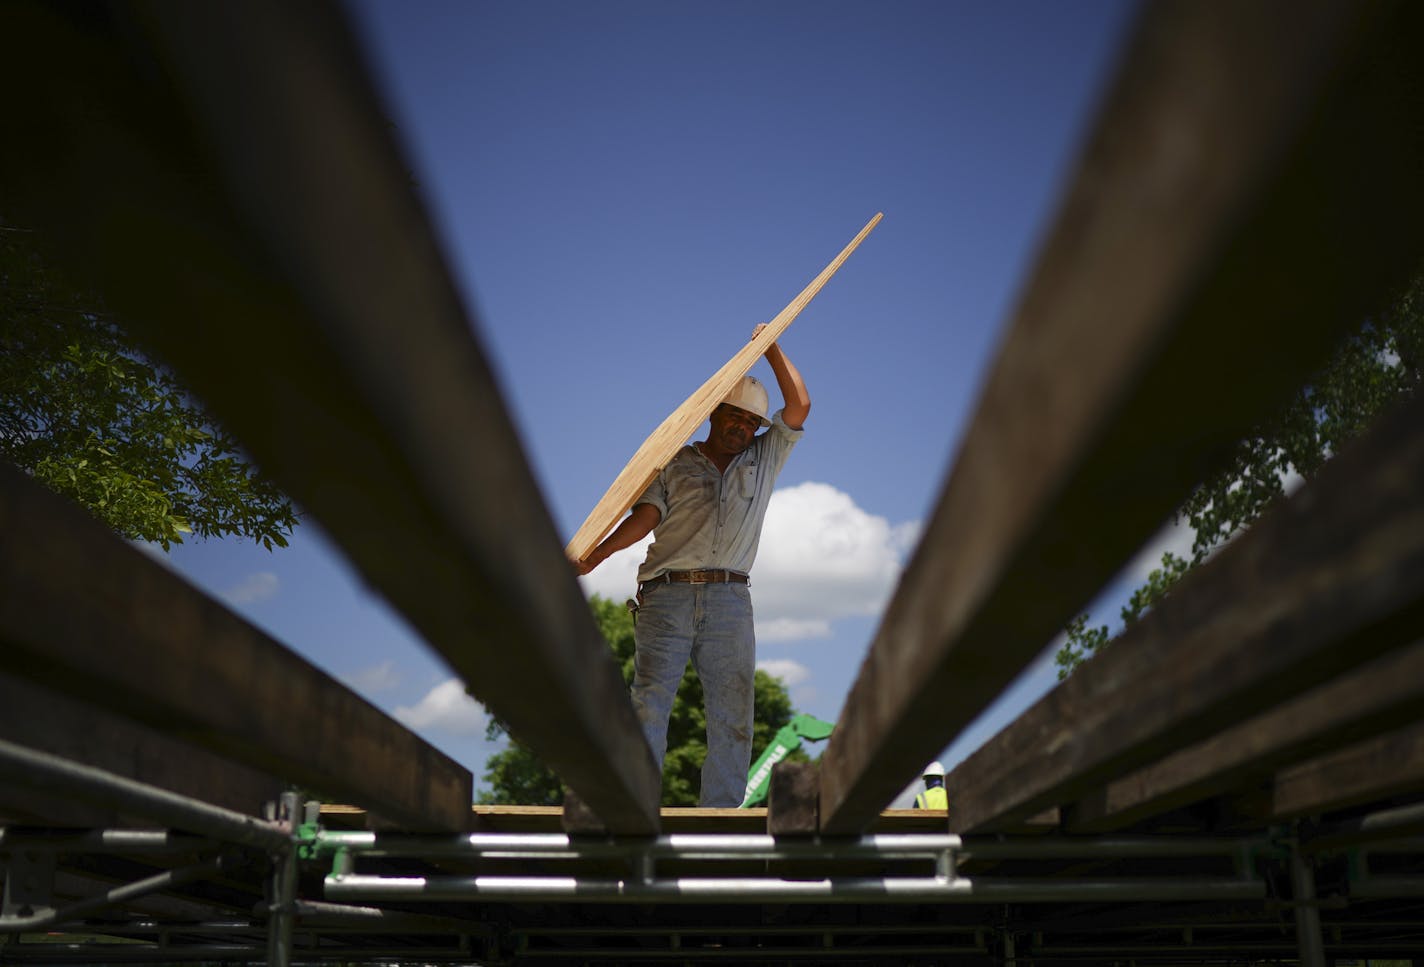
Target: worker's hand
x=581, y=567
x=757, y=331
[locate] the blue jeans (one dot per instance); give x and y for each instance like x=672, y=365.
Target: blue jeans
x=712, y=625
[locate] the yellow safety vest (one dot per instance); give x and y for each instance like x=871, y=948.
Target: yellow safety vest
x=935, y=798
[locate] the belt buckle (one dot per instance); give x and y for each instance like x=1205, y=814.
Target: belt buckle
x=698, y=576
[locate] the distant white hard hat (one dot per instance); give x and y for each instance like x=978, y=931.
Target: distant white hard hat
x=934, y=769
x=750, y=395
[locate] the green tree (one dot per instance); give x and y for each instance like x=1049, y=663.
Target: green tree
x=515, y=776
x=1376, y=366
x=85, y=412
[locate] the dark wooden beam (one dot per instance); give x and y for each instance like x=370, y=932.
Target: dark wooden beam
x=1246, y=193
x=87, y=615
x=1331, y=578
x=791, y=799
x=1383, y=694
x=52, y=722
x=227, y=177
x=1378, y=768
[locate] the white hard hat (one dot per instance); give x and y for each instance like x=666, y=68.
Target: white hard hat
x=934, y=769
x=750, y=395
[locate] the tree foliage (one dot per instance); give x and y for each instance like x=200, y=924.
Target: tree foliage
x=88, y=414
x=1378, y=364
x=515, y=776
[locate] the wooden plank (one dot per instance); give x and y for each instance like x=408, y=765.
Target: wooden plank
x=791, y=799
x=1379, y=768
x=243, y=207
x=1330, y=579
x=52, y=722
x=1384, y=694
x=672, y=433
x=86, y=615
x=1245, y=193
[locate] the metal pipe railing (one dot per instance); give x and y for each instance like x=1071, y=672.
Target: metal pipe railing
x=119, y=894
x=49, y=773
x=767, y=890
x=1405, y=824
x=557, y=846
x=101, y=841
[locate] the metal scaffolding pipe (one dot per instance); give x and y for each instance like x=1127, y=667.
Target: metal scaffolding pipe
x=98, y=841
x=1387, y=887
x=49, y=773
x=1307, y=914
x=765, y=890
x=343, y=917
x=692, y=846
x=119, y=894
x=1403, y=823
x=776, y=954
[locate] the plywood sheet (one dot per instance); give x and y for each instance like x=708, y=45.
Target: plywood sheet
x=663, y=442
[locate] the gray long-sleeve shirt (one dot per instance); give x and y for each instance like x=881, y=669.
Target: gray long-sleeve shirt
x=710, y=519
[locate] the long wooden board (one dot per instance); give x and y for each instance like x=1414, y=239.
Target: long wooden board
x=1387, y=765
x=1375, y=698
x=85, y=614
x=663, y=442
x=1326, y=582
x=310, y=306
x=49, y=721
x=1223, y=228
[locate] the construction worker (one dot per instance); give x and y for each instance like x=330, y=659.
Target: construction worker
x=707, y=507
x=934, y=796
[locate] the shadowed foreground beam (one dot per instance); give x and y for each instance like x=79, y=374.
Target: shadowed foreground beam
x=1247, y=192
x=225, y=175
x=1372, y=699
x=89, y=616
x=1331, y=578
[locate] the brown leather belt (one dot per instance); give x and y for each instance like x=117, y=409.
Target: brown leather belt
x=707, y=576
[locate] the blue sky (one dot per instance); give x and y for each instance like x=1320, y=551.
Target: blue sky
x=625, y=189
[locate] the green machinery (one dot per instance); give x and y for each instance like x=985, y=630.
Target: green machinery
x=801, y=728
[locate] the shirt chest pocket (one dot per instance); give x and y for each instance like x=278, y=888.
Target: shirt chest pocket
x=747, y=481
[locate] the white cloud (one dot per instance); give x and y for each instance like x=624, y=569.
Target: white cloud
x=377, y=678
x=252, y=589
x=445, y=708
x=821, y=558
x=790, y=672
x=791, y=629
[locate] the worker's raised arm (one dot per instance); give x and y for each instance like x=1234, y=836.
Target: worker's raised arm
x=796, y=401
x=636, y=526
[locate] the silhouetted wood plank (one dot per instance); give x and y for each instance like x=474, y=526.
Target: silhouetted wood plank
x=791, y=799
x=86, y=615
x=1384, y=694
x=1387, y=765
x=244, y=209
x=1329, y=579
x=51, y=722
x=1247, y=192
